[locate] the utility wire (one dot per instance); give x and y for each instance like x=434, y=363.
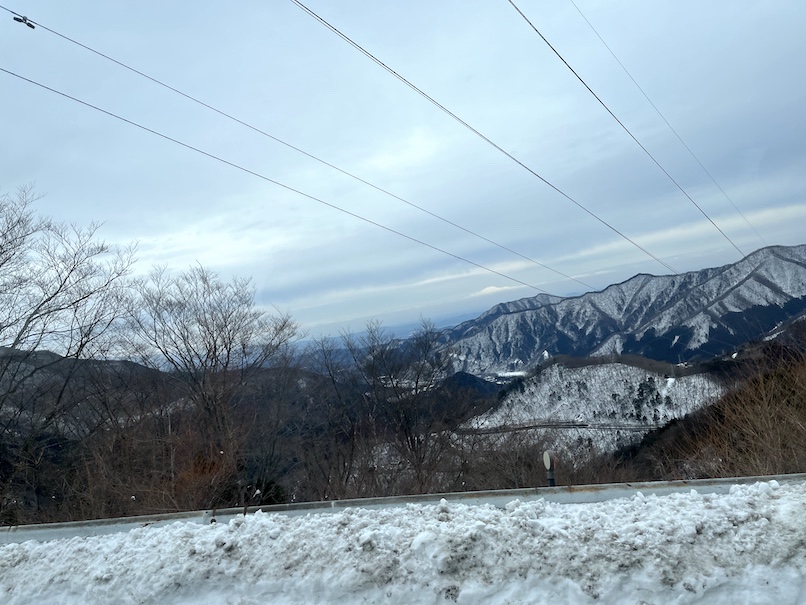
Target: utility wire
x=430, y=99
x=663, y=117
x=270, y=180
x=627, y=130
x=293, y=147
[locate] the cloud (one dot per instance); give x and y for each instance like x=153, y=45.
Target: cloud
x=495, y=291
x=285, y=74
x=418, y=149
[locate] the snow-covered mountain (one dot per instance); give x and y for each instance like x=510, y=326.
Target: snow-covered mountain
x=671, y=317
x=610, y=402
x=604, y=393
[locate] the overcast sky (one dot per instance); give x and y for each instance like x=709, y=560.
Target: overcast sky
x=727, y=75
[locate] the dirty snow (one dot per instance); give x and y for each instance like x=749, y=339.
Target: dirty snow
x=748, y=546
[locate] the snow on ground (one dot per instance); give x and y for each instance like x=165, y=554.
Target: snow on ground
x=748, y=546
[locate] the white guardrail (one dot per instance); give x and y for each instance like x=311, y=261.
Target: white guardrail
x=577, y=494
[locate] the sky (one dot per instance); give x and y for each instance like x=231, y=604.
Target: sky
x=725, y=76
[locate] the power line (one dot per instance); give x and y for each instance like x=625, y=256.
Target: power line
x=627, y=130
x=663, y=117
x=198, y=101
x=430, y=99
x=270, y=180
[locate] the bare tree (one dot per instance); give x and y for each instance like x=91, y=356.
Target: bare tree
x=334, y=441
x=212, y=339
x=61, y=293
x=129, y=443
x=757, y=428
x=60, y=288
x=401, y=378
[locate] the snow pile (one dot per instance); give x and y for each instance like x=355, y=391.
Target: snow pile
x=748, y=546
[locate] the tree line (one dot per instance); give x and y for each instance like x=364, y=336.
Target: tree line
x=122, y=395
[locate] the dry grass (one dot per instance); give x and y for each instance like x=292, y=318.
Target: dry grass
x=758, y=428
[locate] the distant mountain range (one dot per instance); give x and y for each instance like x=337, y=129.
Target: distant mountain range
x=694, y=315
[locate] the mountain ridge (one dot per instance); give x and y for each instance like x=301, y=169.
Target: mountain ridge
x=669, y=317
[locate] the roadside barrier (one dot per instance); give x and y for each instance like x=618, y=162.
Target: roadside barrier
x=576, y=494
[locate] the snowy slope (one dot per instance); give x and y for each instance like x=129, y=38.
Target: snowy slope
x=606, y=395
x=611, y=392
x=748, y=546
x=668, y=317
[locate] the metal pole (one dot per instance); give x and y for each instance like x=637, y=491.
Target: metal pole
x=548, y=461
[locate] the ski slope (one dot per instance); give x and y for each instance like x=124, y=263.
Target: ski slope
x=745, y=546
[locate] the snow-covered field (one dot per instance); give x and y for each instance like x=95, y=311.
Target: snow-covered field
x=748, y=546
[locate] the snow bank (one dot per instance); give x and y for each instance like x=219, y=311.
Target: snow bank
x=748, y=546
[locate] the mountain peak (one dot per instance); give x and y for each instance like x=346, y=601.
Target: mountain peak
x=674, y=318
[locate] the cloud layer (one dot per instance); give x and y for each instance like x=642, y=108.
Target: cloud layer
x=721, y=77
